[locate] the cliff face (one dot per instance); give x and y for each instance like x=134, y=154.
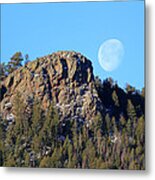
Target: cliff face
x=64, y=78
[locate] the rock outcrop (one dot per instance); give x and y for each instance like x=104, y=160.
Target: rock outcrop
x=63, y=78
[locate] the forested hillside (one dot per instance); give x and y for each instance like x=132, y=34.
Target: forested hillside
x=71, y=119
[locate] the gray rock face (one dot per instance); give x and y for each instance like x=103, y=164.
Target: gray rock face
x=64, y=78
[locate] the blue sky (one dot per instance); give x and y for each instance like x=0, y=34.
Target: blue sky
x=40, y=29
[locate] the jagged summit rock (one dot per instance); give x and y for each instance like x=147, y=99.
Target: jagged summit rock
x=64, y=78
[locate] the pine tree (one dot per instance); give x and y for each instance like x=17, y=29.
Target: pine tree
x=15, y=62
x=19, y=115
x=70, y=155
x=36, y=143
x=97, y=125
x=131, y=110
x=54, y=126
x=114, y=125
x=132, y=160
x=56, y=159
x=89, y=155
x=75, y=135
x=45, y=162
x=65, y=151
x=140, y=129
x=10, y=161
x=130, y=89
x=115, y=98
x=36, y=119
x=27, y=160
x=107, y=121
x=47, y=129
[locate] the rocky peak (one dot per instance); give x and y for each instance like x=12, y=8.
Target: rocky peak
x=64, y=78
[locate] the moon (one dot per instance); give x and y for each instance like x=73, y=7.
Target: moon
x=110, y=54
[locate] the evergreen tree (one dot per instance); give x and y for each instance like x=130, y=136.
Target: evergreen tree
x=131, y=110
x=108, y=122
x=15, y=62
x=97, y=125
x=36, y=119
x=56, y=161
x=10, y=161
x=19, y=115
x=45, y=162
x=75, y=135
x=27, y=160
x=89, y=155
x=140, y=129
x=115, y=98
x=54, y=126
x=130, y=89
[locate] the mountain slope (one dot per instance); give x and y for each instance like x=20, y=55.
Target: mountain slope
x=54, y=113
x=64, y=78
